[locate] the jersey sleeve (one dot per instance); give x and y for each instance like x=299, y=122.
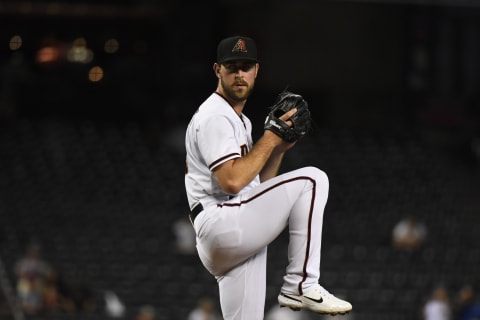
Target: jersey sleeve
x=216, y=141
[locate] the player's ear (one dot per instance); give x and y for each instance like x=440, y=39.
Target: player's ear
x=257, y=66
x=216, y=69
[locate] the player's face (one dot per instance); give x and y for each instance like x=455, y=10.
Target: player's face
x=237, y=78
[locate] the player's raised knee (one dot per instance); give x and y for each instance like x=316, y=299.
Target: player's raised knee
x=318, y=175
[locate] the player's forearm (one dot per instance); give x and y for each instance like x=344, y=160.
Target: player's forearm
x=234, y=175
x=272, y=166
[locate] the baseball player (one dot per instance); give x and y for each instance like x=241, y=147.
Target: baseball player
x=239, y=204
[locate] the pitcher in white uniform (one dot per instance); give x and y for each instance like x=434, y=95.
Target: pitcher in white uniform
x=239, y=204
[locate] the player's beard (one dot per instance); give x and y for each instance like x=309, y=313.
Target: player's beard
x=237, y=95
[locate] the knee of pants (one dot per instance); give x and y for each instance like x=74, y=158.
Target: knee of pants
x=318, y=175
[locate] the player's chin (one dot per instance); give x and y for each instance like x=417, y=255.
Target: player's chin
x=241, y=93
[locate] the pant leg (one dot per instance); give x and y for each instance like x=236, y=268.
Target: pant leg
x=305, y=235
x=243, y=289
x=230, y=234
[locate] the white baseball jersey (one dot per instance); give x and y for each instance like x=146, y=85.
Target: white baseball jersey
x=216, y=134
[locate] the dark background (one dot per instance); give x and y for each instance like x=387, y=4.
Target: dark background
x=393, y=87
x=377, y=64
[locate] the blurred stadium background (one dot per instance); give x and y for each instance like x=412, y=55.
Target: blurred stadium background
x=95, y=95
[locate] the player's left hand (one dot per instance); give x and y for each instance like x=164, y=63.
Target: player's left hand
x=289, y=117
x=285, y=146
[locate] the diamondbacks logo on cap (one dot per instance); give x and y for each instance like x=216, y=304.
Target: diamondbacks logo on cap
x=236, y=48
x=240, y=46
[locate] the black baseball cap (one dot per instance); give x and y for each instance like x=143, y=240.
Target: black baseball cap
x=236, y=48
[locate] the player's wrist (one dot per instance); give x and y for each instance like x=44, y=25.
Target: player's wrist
x=273, y=138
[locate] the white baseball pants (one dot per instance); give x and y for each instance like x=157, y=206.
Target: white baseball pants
x=232, y=239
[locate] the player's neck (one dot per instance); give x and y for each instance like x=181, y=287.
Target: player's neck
x=238, y=108
x=236, y=105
